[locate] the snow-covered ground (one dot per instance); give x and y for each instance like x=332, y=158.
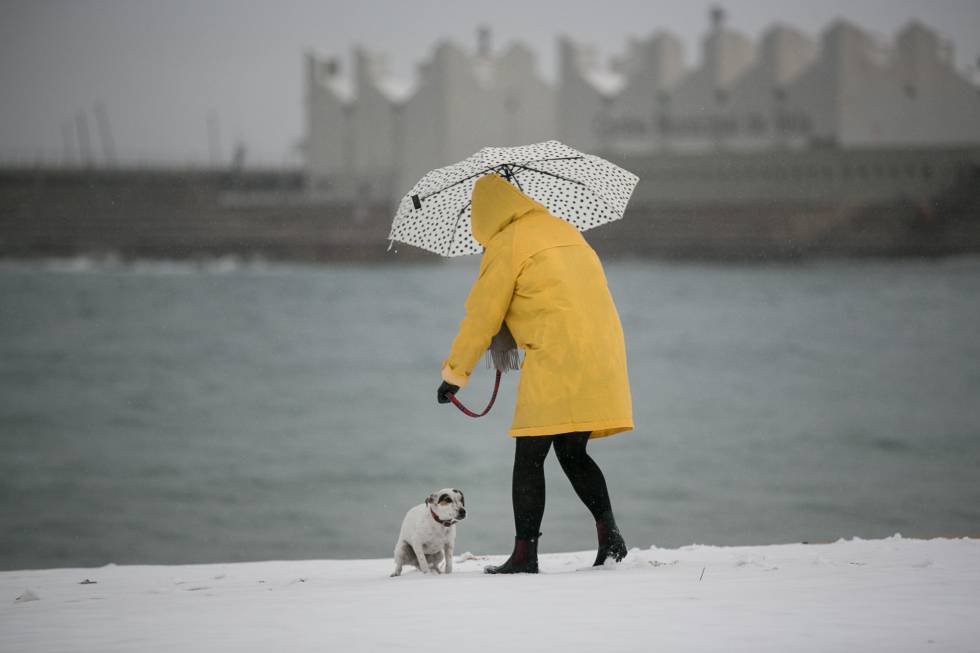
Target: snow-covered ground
x=851, y=595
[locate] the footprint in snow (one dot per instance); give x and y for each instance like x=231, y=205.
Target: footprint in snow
x=27, y=596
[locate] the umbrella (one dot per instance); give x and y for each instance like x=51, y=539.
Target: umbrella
x=583, y=189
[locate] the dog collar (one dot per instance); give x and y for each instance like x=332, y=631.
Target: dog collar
x=447, y=523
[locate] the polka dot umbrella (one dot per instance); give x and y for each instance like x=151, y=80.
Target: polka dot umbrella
x=582, y=189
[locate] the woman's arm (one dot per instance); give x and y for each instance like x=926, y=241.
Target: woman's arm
x=486, y=307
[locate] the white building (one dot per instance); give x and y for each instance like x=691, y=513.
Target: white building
x=381, y=135
x=370, y=135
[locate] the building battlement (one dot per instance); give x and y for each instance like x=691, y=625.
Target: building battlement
x=372, y=134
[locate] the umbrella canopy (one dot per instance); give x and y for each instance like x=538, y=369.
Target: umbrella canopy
x=582, y=189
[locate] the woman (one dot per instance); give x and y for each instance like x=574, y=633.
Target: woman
x=540, y=277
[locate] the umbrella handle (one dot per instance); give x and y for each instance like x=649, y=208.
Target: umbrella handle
x=493, y=398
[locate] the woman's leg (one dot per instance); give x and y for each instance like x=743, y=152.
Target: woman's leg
x=527, y=493
x=583, y=472
x=527, y=488
x=590, y=486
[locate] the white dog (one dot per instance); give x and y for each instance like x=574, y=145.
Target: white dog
x=428, y=533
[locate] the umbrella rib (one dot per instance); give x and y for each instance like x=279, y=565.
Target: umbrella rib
x=516, y=181
x=551, y=174
x=491, y=168
x=557, y=158
x=456, y=183
x=459, y=216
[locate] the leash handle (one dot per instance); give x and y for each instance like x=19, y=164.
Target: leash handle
x=493, y=398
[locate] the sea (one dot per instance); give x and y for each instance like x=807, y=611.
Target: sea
x=181, y=412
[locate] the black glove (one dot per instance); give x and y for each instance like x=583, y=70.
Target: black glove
x=446, y=389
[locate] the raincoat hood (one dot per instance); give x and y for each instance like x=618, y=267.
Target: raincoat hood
x=495, y=204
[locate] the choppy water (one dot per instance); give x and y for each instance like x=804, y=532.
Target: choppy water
x=178, y=413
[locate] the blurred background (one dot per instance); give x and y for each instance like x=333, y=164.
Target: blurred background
x=208, y=353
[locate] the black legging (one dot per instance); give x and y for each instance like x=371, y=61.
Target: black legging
x=528, y=482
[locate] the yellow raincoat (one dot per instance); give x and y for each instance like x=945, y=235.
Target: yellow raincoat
x=540, y=276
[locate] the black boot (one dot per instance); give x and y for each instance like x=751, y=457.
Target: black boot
x=611, y=544
x=524, y=559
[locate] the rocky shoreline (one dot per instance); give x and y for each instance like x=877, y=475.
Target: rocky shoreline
x=268, y=215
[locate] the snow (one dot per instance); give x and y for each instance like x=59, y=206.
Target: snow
x=870, y=595
x=341, y=87
x=395, y=89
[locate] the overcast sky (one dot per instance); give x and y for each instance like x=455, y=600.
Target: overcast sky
x=161, y=67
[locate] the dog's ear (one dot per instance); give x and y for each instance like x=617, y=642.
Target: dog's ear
x=462, y=500
x=430, y=499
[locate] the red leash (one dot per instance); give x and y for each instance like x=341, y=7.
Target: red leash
x=493, y=398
